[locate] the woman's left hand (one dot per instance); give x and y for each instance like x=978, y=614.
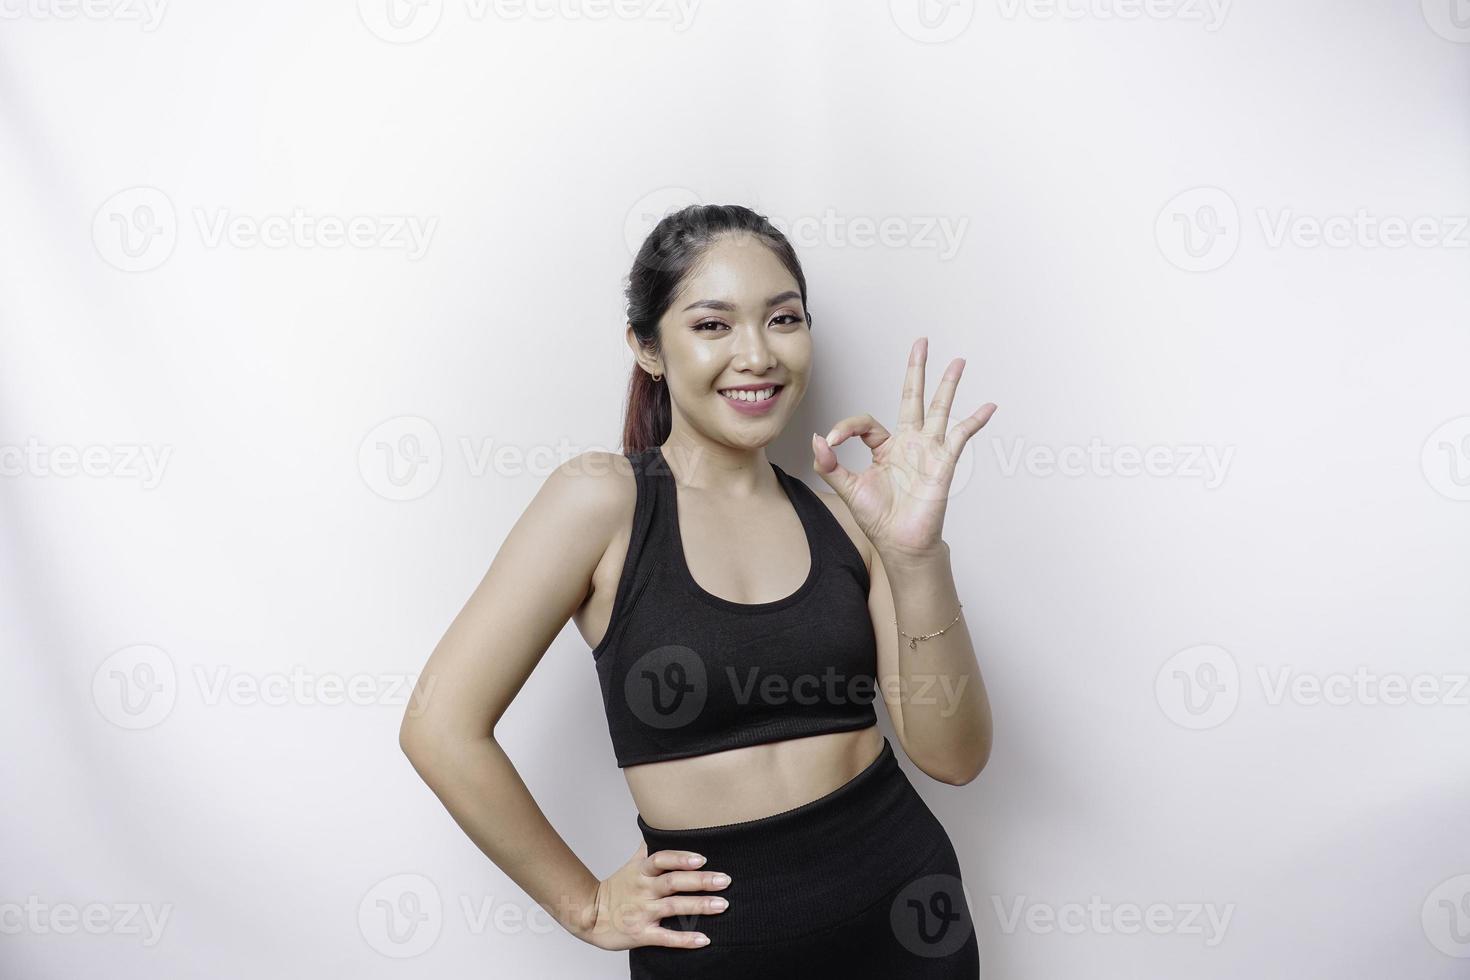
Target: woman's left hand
x=899, y=500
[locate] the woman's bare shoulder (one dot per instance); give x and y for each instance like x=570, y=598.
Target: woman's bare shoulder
x=593, y=490
x=593, y=495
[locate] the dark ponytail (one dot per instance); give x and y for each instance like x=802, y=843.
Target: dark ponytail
x=667, y=256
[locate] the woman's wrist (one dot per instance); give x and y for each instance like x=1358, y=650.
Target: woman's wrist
x=581, y=918
x=903, y=560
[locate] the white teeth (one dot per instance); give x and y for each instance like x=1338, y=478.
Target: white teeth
x=749, y=396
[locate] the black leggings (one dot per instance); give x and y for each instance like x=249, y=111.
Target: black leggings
x=861, y=883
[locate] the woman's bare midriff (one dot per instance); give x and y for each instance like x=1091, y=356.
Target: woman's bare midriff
x=750, y=782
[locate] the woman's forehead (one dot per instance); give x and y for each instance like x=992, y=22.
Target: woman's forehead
x=746, y=275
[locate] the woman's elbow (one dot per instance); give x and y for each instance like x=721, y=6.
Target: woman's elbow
x=423, y=738
x=434, y=743
x=413, y=739
x=969, y=773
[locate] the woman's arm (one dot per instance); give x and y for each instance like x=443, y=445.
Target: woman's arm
x=935, y=695
x=934, y=692
x=933, y=689
x=539, y=577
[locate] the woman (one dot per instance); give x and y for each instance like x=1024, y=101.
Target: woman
x=742, y=626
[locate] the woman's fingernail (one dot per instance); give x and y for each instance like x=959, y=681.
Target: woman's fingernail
x=695, y=862
x=701, y=941
x=721, y=880
x=719, y=903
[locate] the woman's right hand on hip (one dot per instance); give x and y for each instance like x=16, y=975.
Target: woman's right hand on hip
x=630, y=903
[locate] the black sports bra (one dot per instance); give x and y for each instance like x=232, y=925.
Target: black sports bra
x=685, y=672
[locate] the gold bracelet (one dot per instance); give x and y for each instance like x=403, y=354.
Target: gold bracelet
x=914, y=640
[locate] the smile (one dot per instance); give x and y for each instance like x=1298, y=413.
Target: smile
x=752, y=401
x=750, y=394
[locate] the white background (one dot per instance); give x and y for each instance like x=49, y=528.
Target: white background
x=323, y=421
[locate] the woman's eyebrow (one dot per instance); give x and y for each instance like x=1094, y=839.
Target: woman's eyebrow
x=719, y=304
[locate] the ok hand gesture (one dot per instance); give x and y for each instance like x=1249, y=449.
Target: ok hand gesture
x=899, y=499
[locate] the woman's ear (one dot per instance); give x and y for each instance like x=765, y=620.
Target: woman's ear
x=647, y=360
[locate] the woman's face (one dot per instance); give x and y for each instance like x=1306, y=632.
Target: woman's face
x=736, y=322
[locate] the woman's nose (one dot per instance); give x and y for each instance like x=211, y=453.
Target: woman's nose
x=752, y=350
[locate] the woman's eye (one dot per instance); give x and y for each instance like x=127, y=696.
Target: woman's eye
x=783, y=318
